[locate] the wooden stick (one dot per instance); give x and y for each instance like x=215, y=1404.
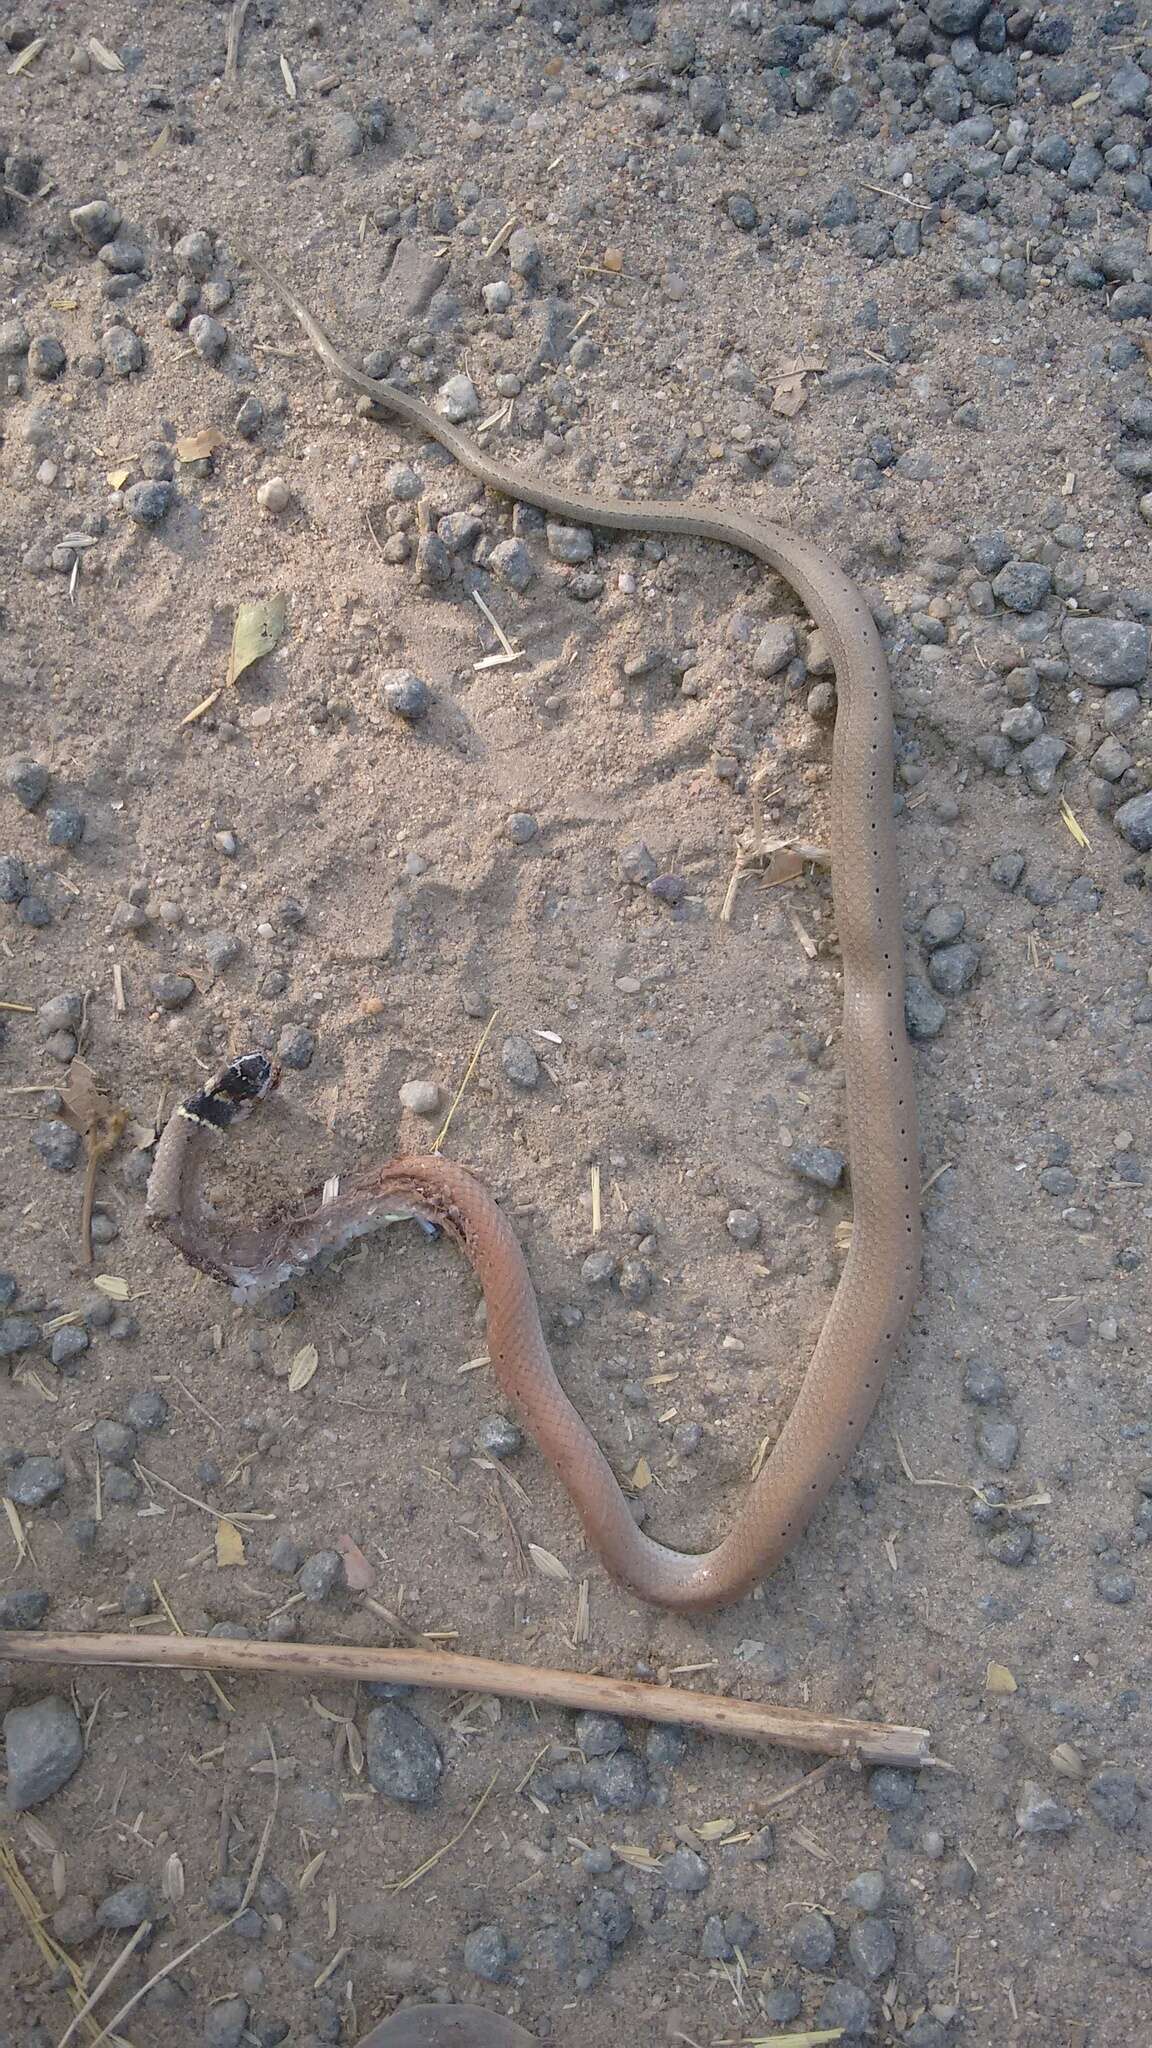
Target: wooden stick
x=873, y=1742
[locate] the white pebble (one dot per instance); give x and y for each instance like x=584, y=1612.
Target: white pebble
x=421, y=1097
x=274, y=495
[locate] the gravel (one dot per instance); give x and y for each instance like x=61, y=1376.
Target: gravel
x=872, y=1946
x=402, y=1757
x=819, y=1164
x=1112, y=653
x=225, y=2023
x=618, y=1783
x=321, y=1575
x=44, y=1747
x=519, y=1061
x=812, y=1941
x=406, y=695
x=35, y=1481
x=685, y=1871
x=488, y=1955
x=127, y=1907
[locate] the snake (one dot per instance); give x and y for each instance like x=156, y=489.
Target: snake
x=873, y=1299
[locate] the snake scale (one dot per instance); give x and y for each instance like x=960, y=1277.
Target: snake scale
x=878, y=1283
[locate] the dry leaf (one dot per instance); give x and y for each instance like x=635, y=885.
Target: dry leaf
x=642, y=1476
x=546, y=1563
x=1067, y=1761
x=117, y=478
x=59, y=1874
x=112, y=1285
x=714, y=1830
x=311, y=1870
x=791, y=392
x=289, y=81
x=39, y=1836
x=194, y=447
x=355, y=1748
x=1073, y=824
x=17, y=1528
x=258, y=628
x=229, y=1544
x=86, y=1109
x=174, y=1880
x=104, y=57
x=303, y=1367
x=28, y=55
x=628, y=1852
x=998, y=1679
x=359, y=1573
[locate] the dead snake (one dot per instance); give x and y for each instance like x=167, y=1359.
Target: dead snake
x=878, y=1283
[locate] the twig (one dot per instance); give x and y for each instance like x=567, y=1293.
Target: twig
x=235, y=31
x=401, y=1884
x=109, y=1977
x=874, y=1742
x=469, y=1070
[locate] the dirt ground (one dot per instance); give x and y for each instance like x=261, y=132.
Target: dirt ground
x=395, y=161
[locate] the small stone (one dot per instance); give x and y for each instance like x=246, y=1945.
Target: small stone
x=820, y=1164
x=46, y=358
x=999, y=1442
x=58, y=1145
x=45, y=1746
x=124, y=1909
x=618, y=1783
x=122, y=350
x=296, y=1047
x=865, y=1892
x=13, y=879
x=27, y=780
x=193, y=253
x=1023, y=586
x=96, y=222
x=498, y=1437
x=487, y=1955
x=637, y=864
x=519, y=1061
x=952, y=969
x=148, y=503
x=942, y=926
x=458, y=399
x=403, y=483
x=523, y=254
x=775, y=648
x=1114, y=1796
x=984, y=1383
x=686, y=1871
x=147, y=1410
x=670, y=889
x=512, y=563
x=422, y=1098
x=403, y=1759
x=572, y=544
x=249, y=418
x=406, y=694
x=872, y=1946
x=273, y=495
x=812, y=1941
x=226, y=2023
x=924, y=1013
x=891, y=1790
x=285, y=1556
x=321, y=1575
x=24, y=1608
x=1117, y=1587
x=66, y=826
x=1007, y=869
x=115, y=1441
x=743, y=1226
x=1037, y=1813
x=1133, y=821
x=208, y=337
x=172, y=991
x=122, y=257
x=844, y=2005
x=1040, y=760
x=1108, y=652
x=521, y=827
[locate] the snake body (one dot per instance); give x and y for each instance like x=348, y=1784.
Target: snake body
x=878, y=1283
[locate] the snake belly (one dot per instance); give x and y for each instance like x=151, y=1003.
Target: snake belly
x=878, y=1283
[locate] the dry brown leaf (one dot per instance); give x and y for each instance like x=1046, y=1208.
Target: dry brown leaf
x=103, y=56
x=28, y=55
x=998, y=1679
x=629, y=1852
x=545, y=1562
x=229, y=1544
x=642, y=1475
x=85, y=1108
x=256, y=632
x=791, y=393
x=194, y=447
x=303, y=1368
x=359, y=1573
x=311, y=1870
x=117, y=478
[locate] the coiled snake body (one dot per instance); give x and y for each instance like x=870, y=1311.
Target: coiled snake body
x=878, y=1283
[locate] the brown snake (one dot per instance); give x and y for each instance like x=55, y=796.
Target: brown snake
x=878, y=1284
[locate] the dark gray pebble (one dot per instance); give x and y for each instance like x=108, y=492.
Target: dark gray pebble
x=599, y=1734
x=891, y=1790
x=127, y=1907
x=34, y=1482
x=148, y=503
x=952, y=969
x=519, y=1061
x=66, y=826
x=147, y=1409
x=1037, y=1813
x=403, y=1758
x=619, y=1783
x=44, y=1746
x=812, y=1941
x=225, y=2023
x=296, y=1047
x=499, y=1437
x=172, y=991
x=115, y=1441
x=321, y=1575
x=820, y=1164
x=686, y=1871
x=872, y=1946
x=406, y=694
x=26, y=779
x=1114, y=1796
x=24, y=1608
x=844, y=2005
x=487, y=1954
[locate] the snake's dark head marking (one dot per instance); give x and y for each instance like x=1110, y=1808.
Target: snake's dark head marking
x=235, y=1092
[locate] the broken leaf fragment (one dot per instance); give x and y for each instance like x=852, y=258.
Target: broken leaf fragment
x=101, y=1124
x=257, y=630
x=999, y=1680
x=229, y=1544
x=302, y=1368
x=194, y=447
